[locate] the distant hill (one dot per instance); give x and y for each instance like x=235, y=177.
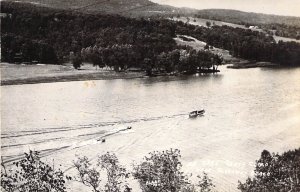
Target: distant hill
x=122, y=7
x=240, y=17
x=136, y=8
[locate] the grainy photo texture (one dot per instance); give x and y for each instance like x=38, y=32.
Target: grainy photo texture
x=150, y=96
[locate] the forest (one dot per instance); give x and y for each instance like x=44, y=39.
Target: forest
x=39, y=34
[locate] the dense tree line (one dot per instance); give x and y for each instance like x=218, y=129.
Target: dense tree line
x=246, y=44
x=49, y=36
x=69, y=32
x=121, y=57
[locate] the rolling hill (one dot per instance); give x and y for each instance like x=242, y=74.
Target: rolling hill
x=123, y=7
x=284, y=26
x=137, y=8
x=240, y=17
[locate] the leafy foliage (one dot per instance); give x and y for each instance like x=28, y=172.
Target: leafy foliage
x=205, y=183
x=275, y=172
x=121, y=57
x=115, y=174
x=161, y=172
x=88, y=176
x=31, y=174
x=76, y=60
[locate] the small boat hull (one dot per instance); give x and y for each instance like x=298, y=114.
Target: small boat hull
x=195, y=114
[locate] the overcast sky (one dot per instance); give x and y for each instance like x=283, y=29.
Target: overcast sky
x=278, y=7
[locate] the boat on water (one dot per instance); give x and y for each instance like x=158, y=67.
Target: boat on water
x=194, y=114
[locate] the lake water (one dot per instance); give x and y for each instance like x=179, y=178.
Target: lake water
x=247, y=111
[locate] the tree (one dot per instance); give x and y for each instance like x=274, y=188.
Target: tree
x=31, y=174
x=175, y=58
x=76, y=60
x=88, y=176
x=115, y=172
x=274, y=172
x=115, y=175
x=205, y=183
x=183, y=64
x=161, y=172
x=208, y=24
x=147, y=66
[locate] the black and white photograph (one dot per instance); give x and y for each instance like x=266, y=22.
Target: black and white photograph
x=150, y=95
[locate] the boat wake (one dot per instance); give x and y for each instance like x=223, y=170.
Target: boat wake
x=65, y=138
x=80, y=127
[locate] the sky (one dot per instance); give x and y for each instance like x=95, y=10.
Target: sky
x=277, y=7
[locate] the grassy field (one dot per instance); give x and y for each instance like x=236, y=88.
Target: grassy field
x=199, y=45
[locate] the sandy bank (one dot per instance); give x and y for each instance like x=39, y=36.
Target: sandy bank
x=15, y=74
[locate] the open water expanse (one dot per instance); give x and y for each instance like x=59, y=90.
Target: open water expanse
x=247, y=111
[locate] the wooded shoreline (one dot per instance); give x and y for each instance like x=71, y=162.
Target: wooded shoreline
x=11, y=74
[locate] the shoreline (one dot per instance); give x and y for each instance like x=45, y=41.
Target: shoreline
x=18, y=74
x=15, y=74
x=251, y=64
x=74, y=77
